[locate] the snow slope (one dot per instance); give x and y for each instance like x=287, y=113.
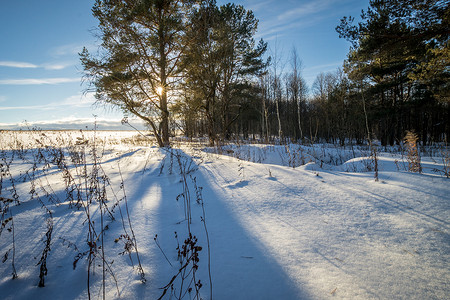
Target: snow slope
x=344, y=235
x=324, y=229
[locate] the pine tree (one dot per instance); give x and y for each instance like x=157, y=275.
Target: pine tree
x=221, y=61
x=400, y=50
x=137, y=66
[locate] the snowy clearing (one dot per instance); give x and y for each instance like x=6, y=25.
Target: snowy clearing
x=283, y=222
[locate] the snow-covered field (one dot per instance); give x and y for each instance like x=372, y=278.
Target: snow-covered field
x=267, y=222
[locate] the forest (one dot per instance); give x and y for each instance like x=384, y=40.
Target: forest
x=253, y=183
x=195, y=68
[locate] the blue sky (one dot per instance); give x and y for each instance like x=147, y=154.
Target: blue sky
x=40, y=73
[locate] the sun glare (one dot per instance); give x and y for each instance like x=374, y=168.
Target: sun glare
x=159, y=90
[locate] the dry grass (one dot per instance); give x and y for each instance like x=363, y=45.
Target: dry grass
x=412, y=152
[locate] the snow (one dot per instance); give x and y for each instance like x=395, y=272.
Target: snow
x=284, y=222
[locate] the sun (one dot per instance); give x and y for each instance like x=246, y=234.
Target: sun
x=159, y=90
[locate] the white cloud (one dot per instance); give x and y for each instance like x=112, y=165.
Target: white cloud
x=75, y=101
x=29, y=107
x=37, y=81
x=329, y=66
x=306, y=9
x=80, y=100
x=280, y=27
x=64, y=50
x=71, y=49
x=287, y=17
x=47, y=66
x=260, y=5
x=56, y=66
x=17, y=64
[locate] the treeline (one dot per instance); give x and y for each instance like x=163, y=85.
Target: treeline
x=333, y=109
x=194, y=67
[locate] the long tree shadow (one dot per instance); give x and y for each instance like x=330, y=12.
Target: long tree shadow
x=239, y=258
x=239, y=265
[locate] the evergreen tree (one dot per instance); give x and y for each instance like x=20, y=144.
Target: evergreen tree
x=395, y=49
x=221, y=61
x=137, y=66
x=202, y=65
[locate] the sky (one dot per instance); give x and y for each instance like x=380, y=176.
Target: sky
x=41, y=75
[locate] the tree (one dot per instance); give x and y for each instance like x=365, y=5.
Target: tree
x=434, y=71
x=264, y=88
x=393, y=48
x=276, y=86
x=322, y=88
x=137, y=66
x=221, y=61
x=297, y=87
x=202, y=65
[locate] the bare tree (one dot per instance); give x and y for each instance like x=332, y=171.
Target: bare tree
x=297, y=87
x=276, y=90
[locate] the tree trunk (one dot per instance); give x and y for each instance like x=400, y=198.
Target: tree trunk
x=299, y=114
x=280, y=133
x=163, y=81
